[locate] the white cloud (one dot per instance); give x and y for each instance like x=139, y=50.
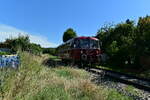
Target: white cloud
x=9, y=31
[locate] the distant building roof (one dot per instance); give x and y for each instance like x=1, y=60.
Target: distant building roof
x=5, y=50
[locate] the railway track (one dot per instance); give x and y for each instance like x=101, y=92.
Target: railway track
x=137, y=82
x=118, y=80
x=140, y=83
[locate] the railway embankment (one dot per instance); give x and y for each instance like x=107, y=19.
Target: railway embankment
x=33, y=80
x=122, y=86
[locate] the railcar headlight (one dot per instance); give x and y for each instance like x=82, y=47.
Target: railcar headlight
x=97, y=52
x=84, y=57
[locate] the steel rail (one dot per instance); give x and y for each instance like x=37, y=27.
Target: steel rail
x=137, y=82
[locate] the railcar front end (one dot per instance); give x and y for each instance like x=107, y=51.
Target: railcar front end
x=81, y=50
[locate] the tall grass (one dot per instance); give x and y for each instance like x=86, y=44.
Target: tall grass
x=34, y=81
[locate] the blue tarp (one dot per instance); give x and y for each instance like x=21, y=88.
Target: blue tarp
x=9, y=61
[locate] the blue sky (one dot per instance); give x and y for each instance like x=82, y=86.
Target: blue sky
x=46, y=20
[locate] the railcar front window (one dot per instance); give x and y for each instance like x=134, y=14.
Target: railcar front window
x=84, y=43
x=94, y=44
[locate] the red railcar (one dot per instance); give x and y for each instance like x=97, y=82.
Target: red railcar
x=81, y=49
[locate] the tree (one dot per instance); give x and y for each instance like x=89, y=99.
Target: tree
x=104, y=35
x=127, y=42
x=143, y=29
x=117, y=41
x=35, y=49
x=22, y=43
x=69, y=34
x=142, y=47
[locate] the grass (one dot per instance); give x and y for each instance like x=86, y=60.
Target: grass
x=34, y=81
x=71, y=73
x=55, y=58
x=132, y=90
x=114, y=95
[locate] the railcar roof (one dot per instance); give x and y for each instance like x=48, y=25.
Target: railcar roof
x=83, y=37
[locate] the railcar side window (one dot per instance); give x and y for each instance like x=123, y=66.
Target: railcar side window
x=76, y=44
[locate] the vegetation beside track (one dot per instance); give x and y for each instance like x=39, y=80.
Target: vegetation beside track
x=55, y=58
x=112, y=93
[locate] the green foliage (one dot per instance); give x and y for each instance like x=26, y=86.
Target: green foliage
x=114, y=94
x=35, y=49
x=4, y=53
x=51, y=51
x=71, y=73
x=113, y=48
x=64, y=73
x=126, y=42
x=21, y=43
x=117, y=40
x=69, y=34
x=143, y=36
x=51, y=93
x=4, y=45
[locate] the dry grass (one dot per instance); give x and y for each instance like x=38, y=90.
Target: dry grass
x=33, y=81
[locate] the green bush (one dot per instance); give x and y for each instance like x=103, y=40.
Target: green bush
x=21, y=43
x=126, y=41
x=5, y=53
x=51, y=51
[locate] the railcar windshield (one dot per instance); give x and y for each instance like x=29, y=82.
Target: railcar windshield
x=84, y=43
x=94, y=44
x=87, y=44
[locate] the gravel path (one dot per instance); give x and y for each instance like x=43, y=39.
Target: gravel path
x=136, y=94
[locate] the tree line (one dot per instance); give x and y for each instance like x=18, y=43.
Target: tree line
x=127, y=43
x=22, y=43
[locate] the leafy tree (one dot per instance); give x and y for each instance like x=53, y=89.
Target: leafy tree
x=126, y=42
x=35, y=49
x=69, y=34
x=117, y=41
x=22, y=43
x=142, y=41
